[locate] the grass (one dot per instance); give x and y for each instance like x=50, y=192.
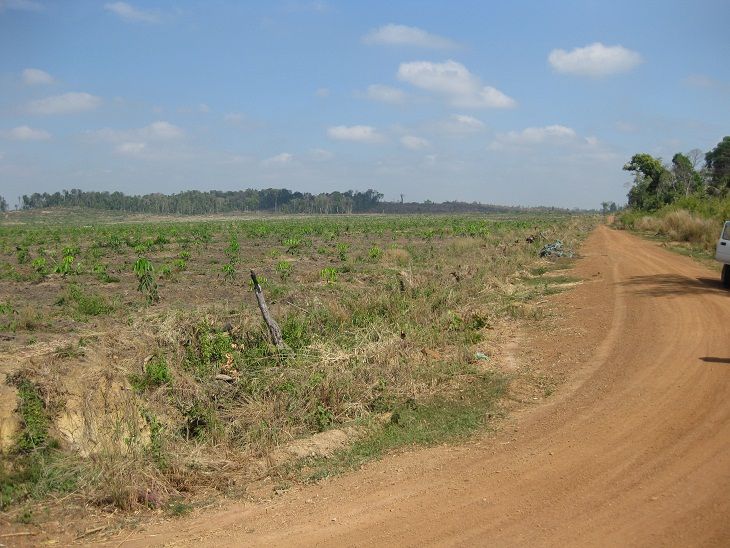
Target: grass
x=39, y=467
x=412, y=424
x=156, y=373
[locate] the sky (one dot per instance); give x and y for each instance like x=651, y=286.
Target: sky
x=515, y=103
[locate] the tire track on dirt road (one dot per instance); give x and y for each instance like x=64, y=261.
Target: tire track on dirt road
x=633, y=449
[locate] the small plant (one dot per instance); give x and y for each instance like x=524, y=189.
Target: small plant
x=166, y=271
x=284, y=269
x=100, y=270
x=342, y=250
x=64, y=267
x=229, y=271
x=23, y=255
x=156, y=373
x=144, y=271
x=180, y=264
x=33, y=414
x=329, y=275
x=184, y=255
x=263, y=282
x=375, y=253
x=84, y=304
x=292, y=244
x=232, y=249
x=39, y=266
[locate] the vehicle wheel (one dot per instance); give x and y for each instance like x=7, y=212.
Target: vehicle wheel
x=725, y=277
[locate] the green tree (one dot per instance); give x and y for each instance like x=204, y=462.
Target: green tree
x=718, y=165
x=3, y=204
x=687, y=180
x=653, y=184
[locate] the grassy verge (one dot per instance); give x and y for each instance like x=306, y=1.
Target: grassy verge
x=438, y=421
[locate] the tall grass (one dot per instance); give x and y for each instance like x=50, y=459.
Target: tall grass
x=691, y=219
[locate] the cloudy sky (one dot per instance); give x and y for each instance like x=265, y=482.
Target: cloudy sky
x=500, y=102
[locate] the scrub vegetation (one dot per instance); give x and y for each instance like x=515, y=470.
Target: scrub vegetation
x=143, y=372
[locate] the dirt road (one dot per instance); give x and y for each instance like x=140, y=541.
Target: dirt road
x=633, y=449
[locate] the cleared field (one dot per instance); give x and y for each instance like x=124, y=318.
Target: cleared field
x=135, y=368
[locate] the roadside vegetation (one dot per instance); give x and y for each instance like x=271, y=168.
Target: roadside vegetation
x=686, y=201
x=143, y=372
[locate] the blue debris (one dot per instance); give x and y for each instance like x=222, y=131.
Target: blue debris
x=555, y=249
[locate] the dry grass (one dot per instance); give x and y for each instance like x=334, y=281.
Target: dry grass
x=681, y=226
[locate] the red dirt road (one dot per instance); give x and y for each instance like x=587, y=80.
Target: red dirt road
x=634, y=449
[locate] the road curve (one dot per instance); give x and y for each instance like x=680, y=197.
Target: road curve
x=633, y=449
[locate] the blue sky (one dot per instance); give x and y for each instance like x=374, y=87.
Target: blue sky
x=500, y=102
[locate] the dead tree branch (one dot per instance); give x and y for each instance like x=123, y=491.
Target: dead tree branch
x=274, y=328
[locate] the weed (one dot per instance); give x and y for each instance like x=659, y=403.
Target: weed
x=23, y=255
x=64, y=267
x=328, y=275
x=342, y=250
x=284, y=269
x=144, y=270
x=374, y=253
x=69, y=351
x=39, y=266
x=156, y=373
x=32, y=410
x=229, y=271
x=84, y=304
x=178, y=508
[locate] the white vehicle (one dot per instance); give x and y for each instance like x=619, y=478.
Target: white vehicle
x=722, y=254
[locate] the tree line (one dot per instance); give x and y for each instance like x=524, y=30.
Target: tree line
x=195, y=202
x=696, y=173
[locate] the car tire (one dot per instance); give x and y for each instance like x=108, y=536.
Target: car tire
x=725, y=277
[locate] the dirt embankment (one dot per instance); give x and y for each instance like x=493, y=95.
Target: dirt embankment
x=633, y=449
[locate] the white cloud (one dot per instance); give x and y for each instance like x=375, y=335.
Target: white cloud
x=467, y=122
x=25, y=133
x=130, y=13
x=453, y=81
x=33, y=77
x=384, y=94
x=322, y=92
x=462, y=123
x=412, y=142
x=20, y=5
x=321, y=154
x=162, y=131
x=235, y=118
x=156, y=131
x=594, y=60
x=278, y=160
x=555, y=134
x=402, y=35
x=63, y=104
x=202, y=107
x=131, y=149
x=362, y=134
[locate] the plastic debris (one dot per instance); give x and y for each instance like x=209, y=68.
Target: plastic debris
x=555, y=249
x=481, y=356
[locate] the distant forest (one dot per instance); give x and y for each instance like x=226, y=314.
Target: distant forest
x=194, y=202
